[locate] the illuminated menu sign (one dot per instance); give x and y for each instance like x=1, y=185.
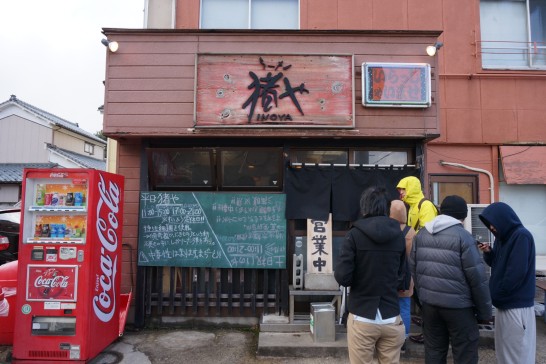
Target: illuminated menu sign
x=396, y=84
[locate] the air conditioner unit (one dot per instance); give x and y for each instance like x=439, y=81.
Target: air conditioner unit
x=475, y=226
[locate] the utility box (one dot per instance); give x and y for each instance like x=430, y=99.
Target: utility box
x=322, y=322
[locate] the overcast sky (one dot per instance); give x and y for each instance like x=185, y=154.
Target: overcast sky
x=51, y=55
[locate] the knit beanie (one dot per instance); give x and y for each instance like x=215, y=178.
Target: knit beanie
x=454, y=206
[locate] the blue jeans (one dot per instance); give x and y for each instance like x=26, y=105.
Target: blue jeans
x=405, y=312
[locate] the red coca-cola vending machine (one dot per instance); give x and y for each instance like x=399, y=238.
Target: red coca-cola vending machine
x=68, y=301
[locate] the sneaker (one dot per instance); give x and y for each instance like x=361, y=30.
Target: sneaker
x=418, y=339
x=403, y=348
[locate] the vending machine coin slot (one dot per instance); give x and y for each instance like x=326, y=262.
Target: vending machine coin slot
x=37, y=253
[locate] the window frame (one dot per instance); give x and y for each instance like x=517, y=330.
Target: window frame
x=350, y=153
x=220, y=169
x=154, y=178
x=529, y=51
x=249, y=18
x=89, y=148
x=473, y=179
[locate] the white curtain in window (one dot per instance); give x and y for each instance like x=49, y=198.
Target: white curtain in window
x=224, y=14
x=504, y=34
x=274, y=14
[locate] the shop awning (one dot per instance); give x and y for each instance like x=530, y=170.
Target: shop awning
x=524, y=165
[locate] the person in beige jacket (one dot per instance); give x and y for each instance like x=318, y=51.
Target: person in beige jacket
x=399, y=213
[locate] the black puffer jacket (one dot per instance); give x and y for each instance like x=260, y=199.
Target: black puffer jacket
x=371, y=262
x=447, y=267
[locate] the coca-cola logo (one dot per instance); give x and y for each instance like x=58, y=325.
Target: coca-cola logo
x=107, y=225
x=51, y=283
x=58, y=175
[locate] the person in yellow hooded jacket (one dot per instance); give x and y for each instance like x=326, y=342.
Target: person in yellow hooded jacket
x=420, y=210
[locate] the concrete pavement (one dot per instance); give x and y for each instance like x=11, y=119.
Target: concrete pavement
x=249, y=346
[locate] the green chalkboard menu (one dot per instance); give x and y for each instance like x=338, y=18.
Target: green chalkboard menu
x=212, y=229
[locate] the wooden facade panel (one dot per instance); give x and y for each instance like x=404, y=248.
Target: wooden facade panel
x=153, y=59
x=151, y=108
x=151, y=84
x=163, y=45
x=389, y=123
x=154, y=124
x=144, y=72
x=391, y=50
x=140, y=104
x=137, y=96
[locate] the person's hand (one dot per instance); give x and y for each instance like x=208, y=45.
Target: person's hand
x=484, y=247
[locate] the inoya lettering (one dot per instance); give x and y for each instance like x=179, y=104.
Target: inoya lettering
x=104, y=300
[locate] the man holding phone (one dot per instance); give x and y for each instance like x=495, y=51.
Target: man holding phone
x=512, y=284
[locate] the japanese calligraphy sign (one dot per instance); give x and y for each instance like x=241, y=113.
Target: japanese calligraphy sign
x=396, y=84
x=319, y=246
x=259, y=90
x=216, y=230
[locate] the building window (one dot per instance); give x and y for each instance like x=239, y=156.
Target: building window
x=251, y=168
x=249, y=14
x=233, y=169
x=513, y=34
x=371, y=156
x=174, y=169
x=465, y=186
x=89, y=148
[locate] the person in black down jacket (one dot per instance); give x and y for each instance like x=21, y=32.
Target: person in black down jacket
x=512, y=284
x=372, y=262
x=450, y=277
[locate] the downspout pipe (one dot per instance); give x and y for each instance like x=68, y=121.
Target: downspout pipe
x=491, y=180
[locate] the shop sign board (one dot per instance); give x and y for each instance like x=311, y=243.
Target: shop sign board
x=396, y=85
x=272, y=90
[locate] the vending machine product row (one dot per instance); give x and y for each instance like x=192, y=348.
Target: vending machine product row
x=69, y=265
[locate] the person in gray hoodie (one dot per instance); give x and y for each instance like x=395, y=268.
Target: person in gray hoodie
x=450, y=278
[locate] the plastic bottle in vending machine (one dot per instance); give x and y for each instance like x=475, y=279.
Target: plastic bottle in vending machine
x=40, y=194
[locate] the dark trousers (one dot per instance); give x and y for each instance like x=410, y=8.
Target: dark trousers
x=442, y=325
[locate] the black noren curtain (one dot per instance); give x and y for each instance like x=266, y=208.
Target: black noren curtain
x=308, y=191
x=348, y=185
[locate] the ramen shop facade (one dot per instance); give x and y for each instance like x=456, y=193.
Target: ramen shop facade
x=245, y=154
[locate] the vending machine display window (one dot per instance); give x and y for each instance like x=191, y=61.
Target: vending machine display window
x=54, y=326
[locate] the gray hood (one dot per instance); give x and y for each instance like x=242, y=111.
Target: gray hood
x=441, y=222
